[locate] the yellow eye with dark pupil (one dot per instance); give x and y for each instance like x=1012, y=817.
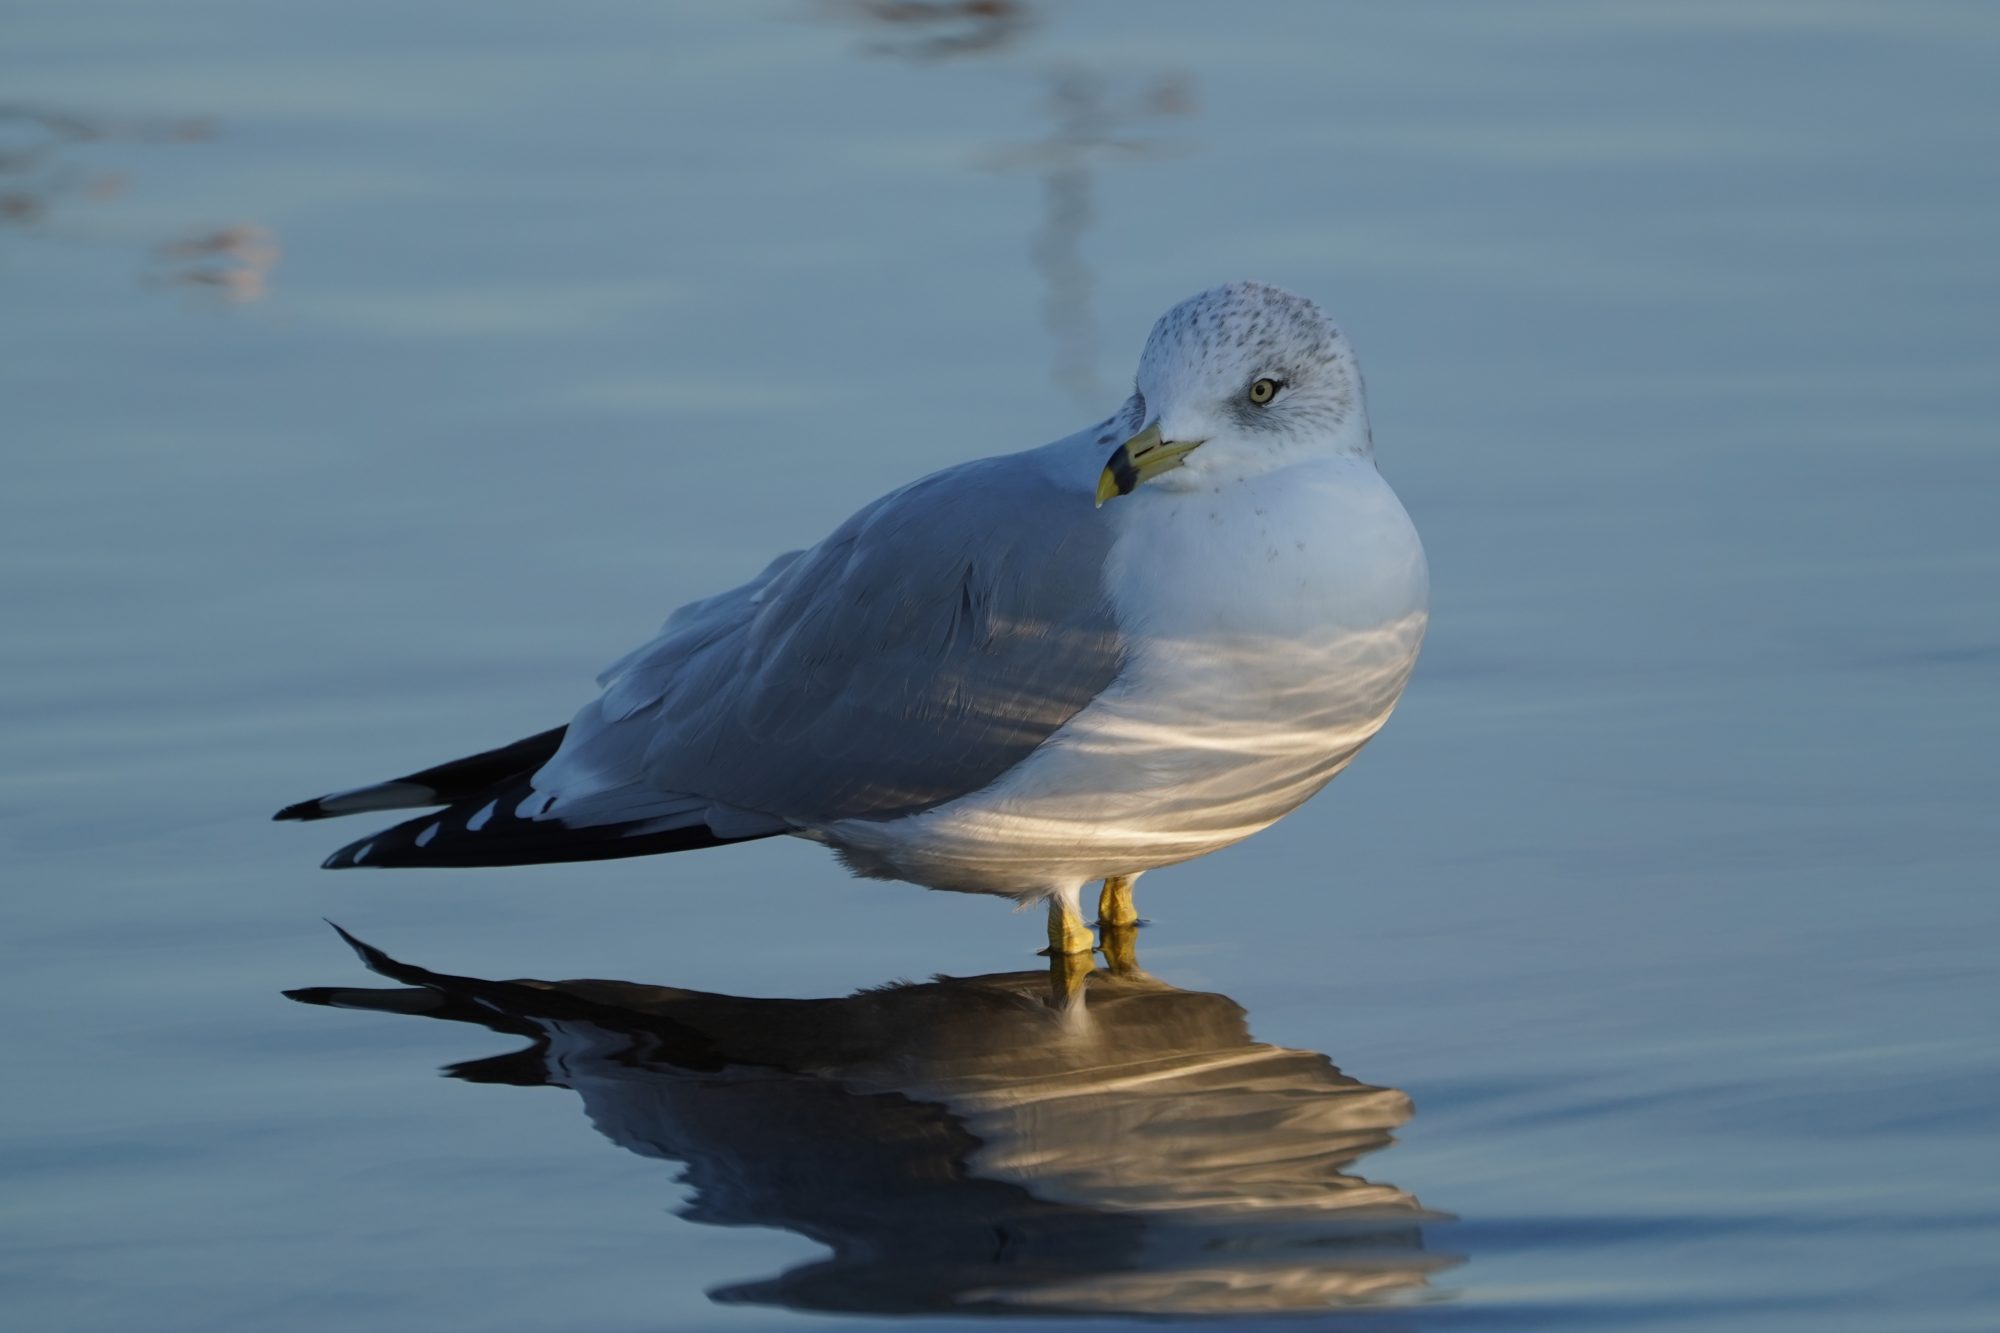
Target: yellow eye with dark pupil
x=1263, y=391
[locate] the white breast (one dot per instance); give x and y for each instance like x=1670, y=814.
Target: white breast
x=1271, y=625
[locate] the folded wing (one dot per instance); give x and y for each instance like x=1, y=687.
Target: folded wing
x=919, y=652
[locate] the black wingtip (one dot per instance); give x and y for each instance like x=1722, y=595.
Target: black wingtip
x=354, y=854
x=467, y=779
x=382, y=964
x=342, y=931
x=490, y=830
x=371, y=957
x=417, y=1000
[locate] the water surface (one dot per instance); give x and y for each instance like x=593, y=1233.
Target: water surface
x=374, y=376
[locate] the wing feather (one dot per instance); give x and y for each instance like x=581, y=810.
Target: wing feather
x=928, y=645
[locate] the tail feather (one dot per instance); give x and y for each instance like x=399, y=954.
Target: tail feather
x=460, y=780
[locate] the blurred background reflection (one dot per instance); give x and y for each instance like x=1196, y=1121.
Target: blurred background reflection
x=51, y=191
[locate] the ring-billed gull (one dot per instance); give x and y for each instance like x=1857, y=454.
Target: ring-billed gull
x=1016, y=676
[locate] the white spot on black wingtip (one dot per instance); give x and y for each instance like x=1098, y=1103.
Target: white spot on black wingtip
x=535, y=805
x=478, y=821
x=430, y=831
x=362, y=854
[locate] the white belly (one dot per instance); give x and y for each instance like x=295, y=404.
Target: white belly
x=1270, y=629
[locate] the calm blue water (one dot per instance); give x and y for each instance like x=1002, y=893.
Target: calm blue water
x=374, y=374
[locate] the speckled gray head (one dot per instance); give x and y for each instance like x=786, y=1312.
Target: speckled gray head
x=1252, y=376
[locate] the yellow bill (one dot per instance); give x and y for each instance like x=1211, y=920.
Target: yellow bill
x=1140, y=459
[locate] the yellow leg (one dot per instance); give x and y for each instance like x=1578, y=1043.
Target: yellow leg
x=1067, y=933
x=1114, y=904
x=1121, y=950
x=1068, y=974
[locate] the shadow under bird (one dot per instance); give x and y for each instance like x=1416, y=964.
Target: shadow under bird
x=1017, y=676
x=1020, y=1143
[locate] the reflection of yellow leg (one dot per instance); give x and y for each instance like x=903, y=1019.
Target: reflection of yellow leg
x=1121, y=950
x=1114, y=904
x=1067, y=933
x=1067, y=974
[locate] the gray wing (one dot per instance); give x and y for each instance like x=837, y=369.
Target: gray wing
x=923, y=649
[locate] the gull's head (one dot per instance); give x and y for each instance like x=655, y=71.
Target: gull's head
x=1239, y=380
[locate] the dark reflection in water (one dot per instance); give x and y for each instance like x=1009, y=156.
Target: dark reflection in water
x=939, y=29
x=1019, y=1143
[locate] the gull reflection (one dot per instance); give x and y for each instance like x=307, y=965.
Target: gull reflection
x=1061, y=1142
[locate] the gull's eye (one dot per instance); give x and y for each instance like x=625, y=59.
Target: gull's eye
x=1264, y=390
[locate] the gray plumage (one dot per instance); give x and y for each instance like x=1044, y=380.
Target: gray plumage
x=923, y=649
